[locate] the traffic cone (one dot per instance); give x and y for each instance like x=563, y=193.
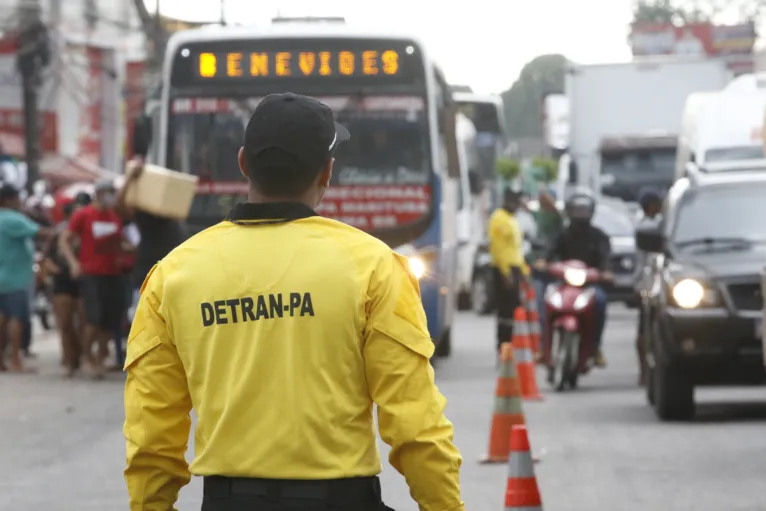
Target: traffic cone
x=525, y=362
x=521, y=492
x=533, y=320
x=507, y=411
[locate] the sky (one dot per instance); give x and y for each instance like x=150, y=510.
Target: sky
x=481, y=43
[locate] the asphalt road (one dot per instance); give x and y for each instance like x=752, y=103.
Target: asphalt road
x=61, y=446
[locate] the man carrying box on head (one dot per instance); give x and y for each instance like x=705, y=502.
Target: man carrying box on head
x=99, y=229
x=158, y=235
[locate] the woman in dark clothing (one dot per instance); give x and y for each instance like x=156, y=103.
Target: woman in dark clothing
x=67, y=304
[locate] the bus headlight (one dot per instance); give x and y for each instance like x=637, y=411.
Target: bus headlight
x=688, y=293
x=575, y=276
x=417, y=267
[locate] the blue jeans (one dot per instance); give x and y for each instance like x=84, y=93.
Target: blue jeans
x=601, y=302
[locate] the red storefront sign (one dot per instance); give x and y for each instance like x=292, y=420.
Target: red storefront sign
x=12, y=123
x=90, y=116
x=732, y=43
x=135, y=73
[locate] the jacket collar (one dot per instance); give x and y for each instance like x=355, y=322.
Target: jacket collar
x=250, y=212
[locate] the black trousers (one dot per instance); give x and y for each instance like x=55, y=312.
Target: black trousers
x=243, y=494
x=103, y=297
x=507, y=298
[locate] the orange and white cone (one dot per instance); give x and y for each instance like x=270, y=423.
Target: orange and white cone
x=533, y=320
x=525, y=361
x=521, y=492
x=507, y=410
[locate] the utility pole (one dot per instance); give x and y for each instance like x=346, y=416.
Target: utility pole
x=223, y=12
x=33, y=56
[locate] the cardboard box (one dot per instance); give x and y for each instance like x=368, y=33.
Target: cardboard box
x=162, y=192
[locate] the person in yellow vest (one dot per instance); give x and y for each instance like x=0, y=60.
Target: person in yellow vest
x=282, y=330
x=507, y=253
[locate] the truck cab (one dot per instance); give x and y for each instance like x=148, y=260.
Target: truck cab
x=631, y=163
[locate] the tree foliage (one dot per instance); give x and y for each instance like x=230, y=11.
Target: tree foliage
x=524, y=100
x=507, y=168
x=684, y=12
x=549, y=166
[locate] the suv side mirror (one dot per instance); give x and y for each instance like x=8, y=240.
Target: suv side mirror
x=690, y=169
x=142, y=135
x=649, y=238
x=475, y=184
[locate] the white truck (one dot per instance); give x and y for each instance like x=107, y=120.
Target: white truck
x=625, y=121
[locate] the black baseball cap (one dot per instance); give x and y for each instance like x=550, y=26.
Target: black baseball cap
x=292, y=131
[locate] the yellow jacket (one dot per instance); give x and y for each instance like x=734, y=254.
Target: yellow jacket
x=282, y=336
x=505, y=241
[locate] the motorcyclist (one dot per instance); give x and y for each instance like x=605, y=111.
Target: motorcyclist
x=582, y=241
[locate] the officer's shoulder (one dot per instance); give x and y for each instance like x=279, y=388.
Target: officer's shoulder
x=351, y=236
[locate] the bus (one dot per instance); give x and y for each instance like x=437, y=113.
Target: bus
x=398, y=176
x=487, y=117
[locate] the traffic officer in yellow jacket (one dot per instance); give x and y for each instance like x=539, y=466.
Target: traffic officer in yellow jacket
x=507, y=253
x=281, y=329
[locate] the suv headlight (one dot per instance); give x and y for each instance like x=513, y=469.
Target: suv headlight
x=688, y=293
x=690, y=289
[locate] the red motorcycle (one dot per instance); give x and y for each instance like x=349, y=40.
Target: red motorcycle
x=570, y=322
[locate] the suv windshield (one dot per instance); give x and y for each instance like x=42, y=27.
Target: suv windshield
x=726, y=212
x=659, y=161
x=752, y=152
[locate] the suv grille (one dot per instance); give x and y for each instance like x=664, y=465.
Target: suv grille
x=746, y=296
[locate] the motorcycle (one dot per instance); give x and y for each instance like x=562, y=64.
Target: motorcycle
x=570, y=323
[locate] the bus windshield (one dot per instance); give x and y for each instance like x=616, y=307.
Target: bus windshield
x=377, y=88
x=389, y=139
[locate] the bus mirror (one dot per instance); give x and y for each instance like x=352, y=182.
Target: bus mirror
x=475, y=184
x=142, y=135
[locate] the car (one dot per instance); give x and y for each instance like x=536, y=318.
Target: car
x=616, y=222
x=702, y=305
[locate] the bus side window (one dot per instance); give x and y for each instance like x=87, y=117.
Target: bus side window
x=447, y=113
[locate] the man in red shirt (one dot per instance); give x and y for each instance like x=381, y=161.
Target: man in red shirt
x=97, y=265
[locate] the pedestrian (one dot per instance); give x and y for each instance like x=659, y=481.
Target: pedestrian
x=17, y=234
x=157, y=235
x=506, y=250
x=283, y=329
x=99, y=231
x=67, y=305
x=651, y=202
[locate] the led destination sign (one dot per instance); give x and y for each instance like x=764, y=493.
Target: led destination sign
x=276, y=64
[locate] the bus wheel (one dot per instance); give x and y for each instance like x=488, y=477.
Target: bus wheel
x=444, y=348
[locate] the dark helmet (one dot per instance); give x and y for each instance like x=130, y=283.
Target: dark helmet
x=649, y=196
x=580, y=208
